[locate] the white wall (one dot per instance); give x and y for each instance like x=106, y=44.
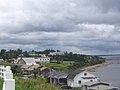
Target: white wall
x=7, y=75
x=43, y=60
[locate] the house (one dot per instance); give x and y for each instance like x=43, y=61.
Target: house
x=25, y=61
x=42, y=60
x=44, y=70
x=29, y=67
x=56, y=53
x=98, y=85
x=32, y=60
x=78, y=77
x=56, y=77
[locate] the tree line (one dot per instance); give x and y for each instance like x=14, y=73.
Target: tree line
x=10, y=54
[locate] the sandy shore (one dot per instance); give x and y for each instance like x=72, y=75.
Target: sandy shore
x=92, y=68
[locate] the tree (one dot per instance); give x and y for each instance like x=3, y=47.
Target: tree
x=3, y=54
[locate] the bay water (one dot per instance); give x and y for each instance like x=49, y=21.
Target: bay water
x=110, y=73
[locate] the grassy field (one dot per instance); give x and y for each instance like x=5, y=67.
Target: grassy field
x=63, y=67
x=34, y=84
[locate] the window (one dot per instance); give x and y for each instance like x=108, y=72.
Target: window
x=85, y=74
x=91, y=80
x=79, y=82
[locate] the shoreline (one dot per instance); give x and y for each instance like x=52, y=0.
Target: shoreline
x=93, y=67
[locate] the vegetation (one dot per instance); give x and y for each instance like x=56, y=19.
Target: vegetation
x=62, y=67
x=34, y=84
x=63, y=63
x=9, y=55
x=1, y=84
x=75, y=61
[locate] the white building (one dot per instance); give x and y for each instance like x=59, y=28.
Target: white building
x=32, y=60
x=56, y=53
x=77, y=78
x=43, y=60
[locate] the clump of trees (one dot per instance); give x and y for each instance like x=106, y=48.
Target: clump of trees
x=8, y=55
x=79, y=60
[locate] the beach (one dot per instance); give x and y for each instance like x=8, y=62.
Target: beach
x=93, y=67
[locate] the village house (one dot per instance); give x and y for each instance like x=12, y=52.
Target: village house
x=44, y=70
x=29, y=67
x=25, y=61
x=34, y=54
x=56, y=53
x=78, y=77
x=31, y=60
x=42, y=60
x=57, y=78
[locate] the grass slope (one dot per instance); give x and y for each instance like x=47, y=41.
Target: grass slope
x=34, y=84
x=58, y=67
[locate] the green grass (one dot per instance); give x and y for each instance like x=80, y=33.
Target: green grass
x=1, y=84
x=34, y=84
x=63, y=67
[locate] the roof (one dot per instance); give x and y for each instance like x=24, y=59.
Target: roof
x=43, y=68
x=56, y=75
x=113, y=88
x=91, y=84
x=27, y=60
x=30, y=67
x=74, y=73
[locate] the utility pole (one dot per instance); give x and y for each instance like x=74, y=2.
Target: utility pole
x=50, y=76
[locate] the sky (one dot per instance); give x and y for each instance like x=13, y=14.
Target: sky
x=79, y=26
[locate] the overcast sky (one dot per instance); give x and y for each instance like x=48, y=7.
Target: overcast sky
x=80, y=26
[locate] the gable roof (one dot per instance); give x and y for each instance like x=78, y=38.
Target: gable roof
x=27, y=60
x=74, y=73
x=21, y=61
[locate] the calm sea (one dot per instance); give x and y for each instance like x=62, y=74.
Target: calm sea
x=110, y=73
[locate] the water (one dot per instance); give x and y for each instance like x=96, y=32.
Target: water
x=110, y=73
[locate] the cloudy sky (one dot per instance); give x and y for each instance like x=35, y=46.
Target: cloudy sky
x=80, y=26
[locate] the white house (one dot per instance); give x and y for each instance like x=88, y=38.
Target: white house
x=26, y=61
x=43, y=60
x=56, y=53
x=32, y=60
x=77, y=78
